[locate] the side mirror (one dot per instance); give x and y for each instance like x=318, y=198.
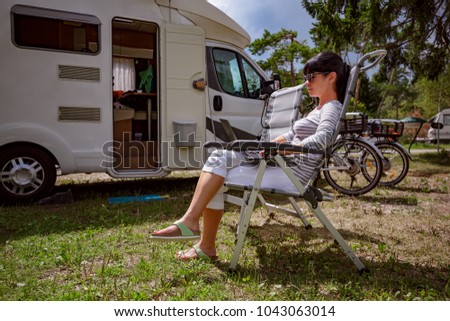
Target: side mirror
x=276, y=81
x=437, y=125
x=268, y=87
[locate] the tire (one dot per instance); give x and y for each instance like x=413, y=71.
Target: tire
x=396, y=165
x=353, y=168
x=26, y=174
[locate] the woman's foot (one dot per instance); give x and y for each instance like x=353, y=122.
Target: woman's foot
x=195, y=253
x=179, y=231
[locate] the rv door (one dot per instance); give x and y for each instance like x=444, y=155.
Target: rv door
x=183, y=111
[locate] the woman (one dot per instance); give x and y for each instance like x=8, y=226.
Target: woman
x=326, y=79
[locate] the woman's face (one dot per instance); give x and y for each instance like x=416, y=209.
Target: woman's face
x=317, y=83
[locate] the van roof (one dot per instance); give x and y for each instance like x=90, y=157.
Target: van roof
x=217, y=25
x=439, y=116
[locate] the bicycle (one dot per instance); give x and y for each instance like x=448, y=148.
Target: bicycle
x=386, y=133
x=354, y=166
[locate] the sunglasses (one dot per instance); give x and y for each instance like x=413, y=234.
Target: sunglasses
x=310, y=77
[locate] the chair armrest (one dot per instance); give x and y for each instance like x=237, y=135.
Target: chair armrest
x=286, y=147
x=270, y=148
x=214, y=144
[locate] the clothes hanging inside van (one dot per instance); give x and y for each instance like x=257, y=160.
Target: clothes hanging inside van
x=146, y=79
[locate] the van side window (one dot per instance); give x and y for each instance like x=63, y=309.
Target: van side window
x=235, y=75
x=55, y=30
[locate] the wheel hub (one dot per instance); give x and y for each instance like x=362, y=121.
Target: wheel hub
x=386, y=164
x=22, y=176
x=354, y=169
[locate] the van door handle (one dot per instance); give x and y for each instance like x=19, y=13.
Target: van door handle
x=217, y=103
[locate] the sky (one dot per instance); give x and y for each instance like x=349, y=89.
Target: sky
x=256, y=15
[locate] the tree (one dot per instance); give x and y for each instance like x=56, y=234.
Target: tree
x=433, y=95
x=398, y=96
x=415, y=34
x=285, y=52
x=369, y=97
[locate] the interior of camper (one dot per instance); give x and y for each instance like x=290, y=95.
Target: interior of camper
x=135, y=101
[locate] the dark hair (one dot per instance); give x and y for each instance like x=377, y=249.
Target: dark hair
x=329, y=62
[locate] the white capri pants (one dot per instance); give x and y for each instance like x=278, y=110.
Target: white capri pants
x=230, y=165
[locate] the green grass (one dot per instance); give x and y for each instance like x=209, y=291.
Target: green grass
x=426, y=146
x=91, y=250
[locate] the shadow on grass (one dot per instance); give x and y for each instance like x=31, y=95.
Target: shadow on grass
x=441, y=158
x=104, y=190
x=297, y=258
x=425, y=190
x=409, y=200
x=91, y=209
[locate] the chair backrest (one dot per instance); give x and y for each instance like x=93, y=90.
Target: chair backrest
x=351, y=84
x=283, y=108
x=360, y=66
x=281, y=112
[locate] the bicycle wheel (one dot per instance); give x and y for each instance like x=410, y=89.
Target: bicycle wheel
x=395, y=165
x=353, y=168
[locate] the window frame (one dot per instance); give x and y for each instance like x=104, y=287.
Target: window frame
x=57, y=15
x=242, y=73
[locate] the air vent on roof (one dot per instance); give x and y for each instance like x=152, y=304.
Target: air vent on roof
x=79, y=114
x=79, y=73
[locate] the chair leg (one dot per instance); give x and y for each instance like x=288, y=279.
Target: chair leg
x=322, y=218
x=338, y=237
x=266, y=205
x=243, y=202
x=299, y=211
x=242, y=231
x=249, y=205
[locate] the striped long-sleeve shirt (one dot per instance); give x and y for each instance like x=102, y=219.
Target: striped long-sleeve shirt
x=314, y=131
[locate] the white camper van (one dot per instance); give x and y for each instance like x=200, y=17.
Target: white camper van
x=440, y=127
x=129, y=87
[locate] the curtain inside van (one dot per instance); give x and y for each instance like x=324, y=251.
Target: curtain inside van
x=124, y=74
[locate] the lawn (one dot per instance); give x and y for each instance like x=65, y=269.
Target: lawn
x=427, y=146
x=92, y=250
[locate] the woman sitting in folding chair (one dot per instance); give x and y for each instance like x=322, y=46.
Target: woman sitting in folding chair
x=326, y=78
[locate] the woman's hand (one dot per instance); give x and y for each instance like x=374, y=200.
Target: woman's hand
x=284, y=153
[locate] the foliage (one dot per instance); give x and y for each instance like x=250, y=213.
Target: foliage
x=433, y=95
x=285, y=52
x=398, y=96
x=415, y=33
x=412, y=79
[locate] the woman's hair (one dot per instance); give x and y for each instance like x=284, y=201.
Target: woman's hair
x=329, y=62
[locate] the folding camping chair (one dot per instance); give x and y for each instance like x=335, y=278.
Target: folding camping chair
x=293, y=189
x=281, y=110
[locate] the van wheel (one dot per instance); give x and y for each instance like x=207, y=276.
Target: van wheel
x=26, y=174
